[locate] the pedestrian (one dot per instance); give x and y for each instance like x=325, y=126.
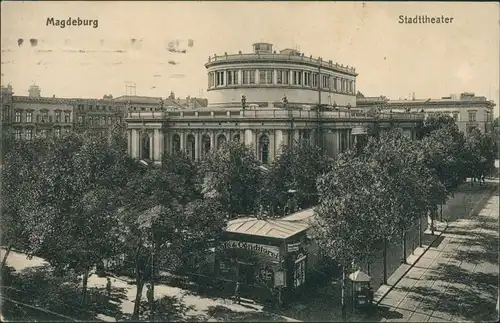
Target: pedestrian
x=237, y=293
x=108, y=287
x=149, y=294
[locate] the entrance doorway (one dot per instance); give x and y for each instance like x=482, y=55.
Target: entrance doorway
x=246, y=273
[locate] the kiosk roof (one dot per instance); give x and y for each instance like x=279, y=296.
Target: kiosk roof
x=274, y=228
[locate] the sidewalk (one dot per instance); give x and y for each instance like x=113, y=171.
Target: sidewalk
x=456, y=279
x=429, y=242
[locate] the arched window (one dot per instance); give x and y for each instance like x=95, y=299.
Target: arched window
x=176, y=143
x=145, y=149
x=236, y=137
x=305, y=136
x=264, y=149
x=190, y=143
x=221, y=139
x=205, y=144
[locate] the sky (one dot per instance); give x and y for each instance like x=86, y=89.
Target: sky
x=131, y=40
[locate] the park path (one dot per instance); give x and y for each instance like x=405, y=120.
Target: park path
x=457, y=278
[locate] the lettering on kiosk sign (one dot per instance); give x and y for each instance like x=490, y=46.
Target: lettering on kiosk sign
x=270, y=251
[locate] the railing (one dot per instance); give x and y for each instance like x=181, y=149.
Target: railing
x=282, y=57
x=268, y=114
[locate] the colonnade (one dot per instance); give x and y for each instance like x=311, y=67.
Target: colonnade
x=152, y=143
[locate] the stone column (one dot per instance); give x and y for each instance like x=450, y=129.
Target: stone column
x=197, y=145
x=157, y=149
x=135, y=144
x=257, y=76
x=272, y=150
x=278, y=139
x=240, y=76
x=275, y=76
x=151, y=145
x=212, y=140
x=183, y=141
x=290, y=79
x=129, y=141
x=248, y=139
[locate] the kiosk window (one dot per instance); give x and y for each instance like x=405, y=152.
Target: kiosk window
x=299, y=275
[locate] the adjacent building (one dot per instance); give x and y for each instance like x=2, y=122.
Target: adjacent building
x=34, y=115
x=468, y=110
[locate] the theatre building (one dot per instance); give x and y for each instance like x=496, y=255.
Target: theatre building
x=269, y=257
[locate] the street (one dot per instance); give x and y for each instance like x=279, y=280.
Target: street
x=456, y=279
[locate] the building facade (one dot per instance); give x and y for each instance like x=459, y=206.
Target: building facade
x=98, y=115
x=265, y=100
x=468, y=110
x=34, y=115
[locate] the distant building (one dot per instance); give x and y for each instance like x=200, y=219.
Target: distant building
x=468, y=110
x=34, y=115
x=98, y=115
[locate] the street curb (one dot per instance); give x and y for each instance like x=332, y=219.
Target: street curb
x=487, y=194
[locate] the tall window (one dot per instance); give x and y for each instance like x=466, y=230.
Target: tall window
x=232, y=77
x=109, y=120
x=67, y=117
x=57, y=132
x=315, y=79
x=176, y=143
x=43, y=133
x=249, y=77
x=18, y=116
x=80, y=120
x=18, y=133
x=266, y=76
x=472, y=116
x=145, y=151
x=283, y=76
x=210, y=79
x=297, y=78
x=325, y=81
x=90, y=120
x=45, y=116
x=103, y=121
x=29, y=134
x=455, y=116
x=307, y=78
x=29, y=117
x=219, y=78
x=58, y=116
x=264, y=149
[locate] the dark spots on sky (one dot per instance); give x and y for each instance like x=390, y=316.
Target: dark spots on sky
x=33, y=42
x=119, y=51
x=102, y=42
x=190, y=43
x=173, y=62
x=20, y=42
x=132, y=41
x=385, y=58
x=156, y=75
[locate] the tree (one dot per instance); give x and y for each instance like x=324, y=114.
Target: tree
x=297, y=168
x=232, y=176
x=415, y=189
x=21, y=176
x=434, y=123
x=351, y=218
x=76, y=212
x=163, y=222
x=479, y=154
